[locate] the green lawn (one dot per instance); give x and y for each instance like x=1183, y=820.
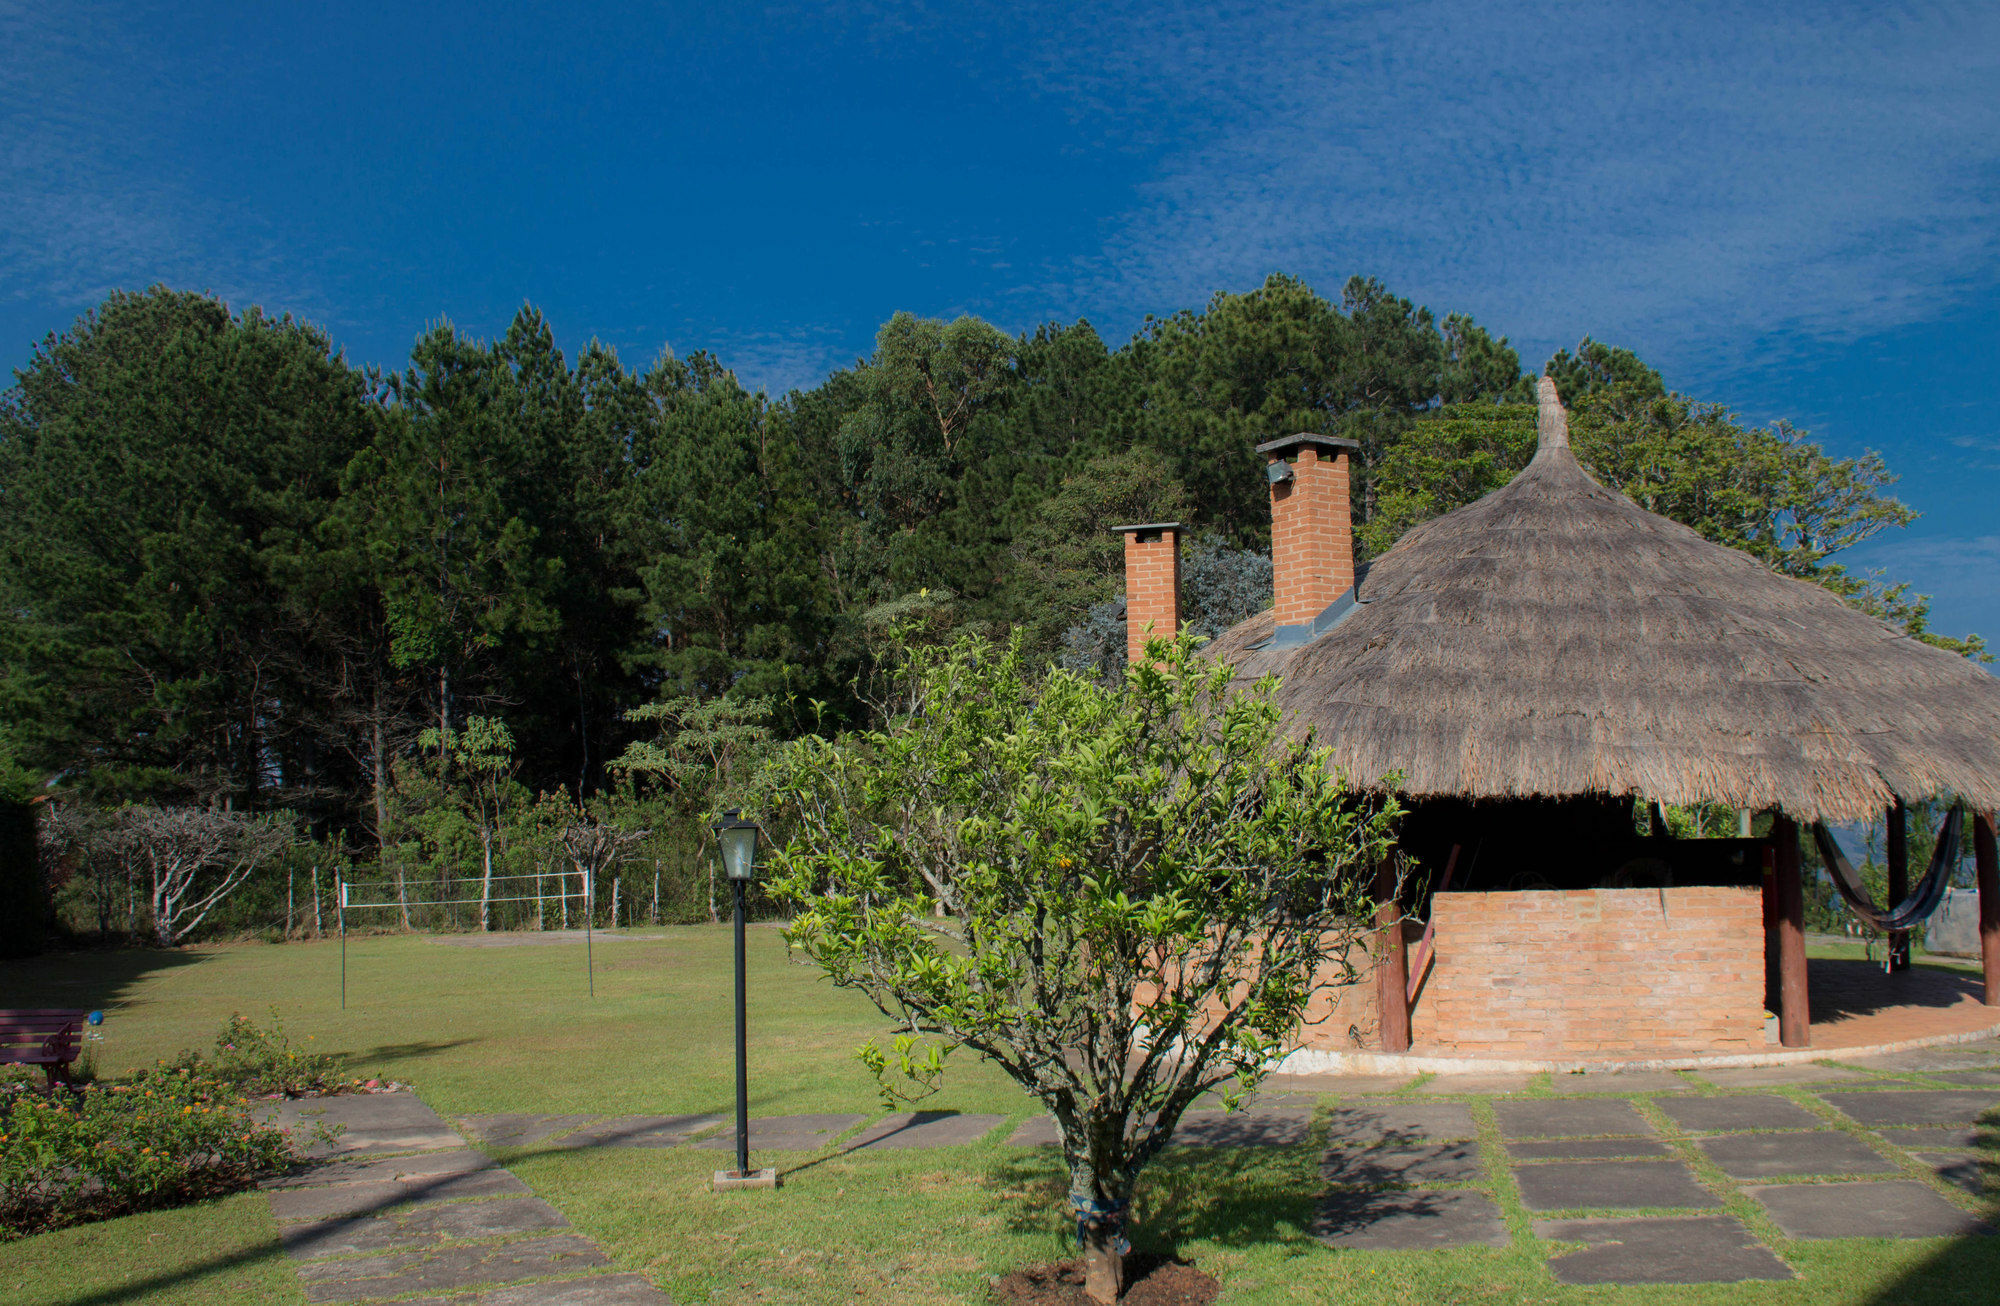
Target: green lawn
x=511, y=1029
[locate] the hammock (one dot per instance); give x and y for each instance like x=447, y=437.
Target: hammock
x=1923, y=899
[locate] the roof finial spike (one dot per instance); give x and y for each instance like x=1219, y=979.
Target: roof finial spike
x=1552, y=424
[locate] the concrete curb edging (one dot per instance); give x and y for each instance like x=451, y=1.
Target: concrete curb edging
x=1318, y=1061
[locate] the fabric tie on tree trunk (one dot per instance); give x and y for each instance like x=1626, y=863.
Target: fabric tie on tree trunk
x=1923, y=899
x=1106, y=1216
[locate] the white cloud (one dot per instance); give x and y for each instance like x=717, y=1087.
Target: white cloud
x=87, y=208
x=1668, y=176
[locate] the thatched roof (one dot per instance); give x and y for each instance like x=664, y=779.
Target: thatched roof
x=1556, y=639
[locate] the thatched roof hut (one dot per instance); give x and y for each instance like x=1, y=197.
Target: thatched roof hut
x=1554, y=639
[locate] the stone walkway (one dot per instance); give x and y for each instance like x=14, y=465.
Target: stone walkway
x=1669, y=1178
x=398, y=1204
x=1651, y=1178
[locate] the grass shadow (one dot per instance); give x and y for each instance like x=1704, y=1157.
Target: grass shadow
x=92, y=979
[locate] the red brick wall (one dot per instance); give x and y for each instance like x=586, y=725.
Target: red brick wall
x=1312, y=537
x=1595, y=972
x=1152, y=590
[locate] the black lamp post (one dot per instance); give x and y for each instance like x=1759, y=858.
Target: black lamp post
x=738, y=840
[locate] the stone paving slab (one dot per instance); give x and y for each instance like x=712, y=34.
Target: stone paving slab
x=924, y=1129
x=447, y=1269
x=1771, y=1156
x=1704, y=1249
x=1702, y=1115
x=1252, y=1128
x=360, y=1112
x=373, y=1123
x=1975, y=1174
x=1622, y=1081
x=1336, y=1085
x=378, y=1170
x=519, y=1129
x=1569, y=1185
x=638, y=1131
x=1037, y=1131
x=326, y=1201
x=1974, y=1078
x=1923, y=1060
x=1393, y=1121
x=1374, y=1167
x=1919, y=1107
x=1964, y=1138
x=1586, y=1149
x=1780, y=1076
x=784, y=1133
x=1477, y=1085
x=421, y=1226
x=1569, y=1117
x=598, y=1290
x=1870, y=1209
x=1409, y=1221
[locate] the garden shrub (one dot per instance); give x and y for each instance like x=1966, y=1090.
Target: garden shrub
x=166, y=1137
x=263, y=1062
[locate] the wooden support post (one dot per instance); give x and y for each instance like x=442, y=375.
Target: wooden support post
x=1988, y=864
x=1794, y=1008
x=1898, y=841
x=1772, y=982
x=1392, y=964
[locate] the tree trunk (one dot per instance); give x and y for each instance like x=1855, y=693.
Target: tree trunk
x=486, y=881
x=382, y=812
x=1103, y=1265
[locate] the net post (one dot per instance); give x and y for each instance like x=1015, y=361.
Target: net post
x=340, y=910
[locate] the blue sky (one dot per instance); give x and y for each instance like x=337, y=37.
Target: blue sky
x=1786, y=207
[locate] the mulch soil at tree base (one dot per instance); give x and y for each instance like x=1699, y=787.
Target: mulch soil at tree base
x=1149, y=1281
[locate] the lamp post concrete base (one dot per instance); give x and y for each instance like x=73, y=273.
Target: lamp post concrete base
x=730, y=1180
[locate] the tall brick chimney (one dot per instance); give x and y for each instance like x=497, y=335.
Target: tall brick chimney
x=1312, y=532
x=1152, y=584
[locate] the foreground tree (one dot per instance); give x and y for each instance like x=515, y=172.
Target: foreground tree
x=1147, y=887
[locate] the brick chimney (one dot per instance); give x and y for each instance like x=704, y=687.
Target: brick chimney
x=1152, y=584
x=1312, y=531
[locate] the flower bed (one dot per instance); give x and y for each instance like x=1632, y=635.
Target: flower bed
x=166, y=1137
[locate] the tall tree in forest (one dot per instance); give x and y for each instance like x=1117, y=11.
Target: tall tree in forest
x=448, y=494
x=725, y=537
x=164, y=468
x=1280, y=359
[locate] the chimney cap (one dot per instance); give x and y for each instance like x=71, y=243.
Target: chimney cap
x=1147, y=526
x=1285, y=442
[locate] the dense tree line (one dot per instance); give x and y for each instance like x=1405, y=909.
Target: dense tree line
x=238, y=573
